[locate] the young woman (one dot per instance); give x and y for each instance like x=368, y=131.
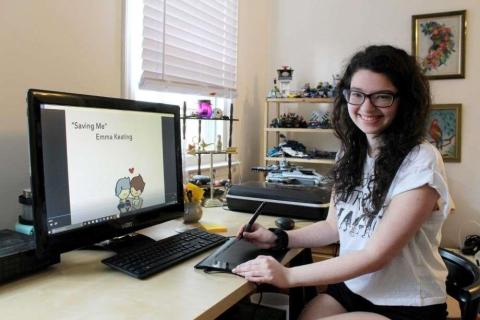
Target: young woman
x=390, y=199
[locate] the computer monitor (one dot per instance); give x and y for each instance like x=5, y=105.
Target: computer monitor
x=101, y=167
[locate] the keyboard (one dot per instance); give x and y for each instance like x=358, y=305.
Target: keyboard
x=154, y=257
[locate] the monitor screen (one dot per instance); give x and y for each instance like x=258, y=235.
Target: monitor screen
x=101, y=167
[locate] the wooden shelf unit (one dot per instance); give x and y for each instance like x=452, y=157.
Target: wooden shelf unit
x=276, y=102
x=301, y=160
x=301, y=100
x=309, y=130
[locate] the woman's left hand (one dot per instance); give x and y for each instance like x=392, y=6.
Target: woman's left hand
x=264, y=269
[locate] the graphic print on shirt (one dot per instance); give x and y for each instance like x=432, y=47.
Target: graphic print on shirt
x=355, y=214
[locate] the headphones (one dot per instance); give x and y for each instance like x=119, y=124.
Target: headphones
x=471, y=245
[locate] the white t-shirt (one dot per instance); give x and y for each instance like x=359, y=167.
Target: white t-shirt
x=416, y=276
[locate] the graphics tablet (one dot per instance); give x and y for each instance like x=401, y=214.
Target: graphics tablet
x=234, y=252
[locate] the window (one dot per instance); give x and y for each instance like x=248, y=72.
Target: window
x=180, y=51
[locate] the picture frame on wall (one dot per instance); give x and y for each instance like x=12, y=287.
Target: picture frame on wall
x=444, y=130
x=438, y=41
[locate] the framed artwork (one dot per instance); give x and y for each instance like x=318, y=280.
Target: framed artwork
x=438, y=40
x=444, y=130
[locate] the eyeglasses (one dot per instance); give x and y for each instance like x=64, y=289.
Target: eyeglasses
x=382, y=99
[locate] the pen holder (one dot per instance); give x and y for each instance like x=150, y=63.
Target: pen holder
x=193, y=212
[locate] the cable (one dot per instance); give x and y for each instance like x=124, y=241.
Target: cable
x=471, y=245
x=258, y=288
x=464, y=236
x=255, y=308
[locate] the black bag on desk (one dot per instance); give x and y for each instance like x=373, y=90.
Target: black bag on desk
x=302, y=202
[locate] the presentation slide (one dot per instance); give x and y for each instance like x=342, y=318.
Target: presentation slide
x=115, y=162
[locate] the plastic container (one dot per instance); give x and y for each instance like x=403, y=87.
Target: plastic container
x=205, y=109
x=26, y=201
x=24, y=228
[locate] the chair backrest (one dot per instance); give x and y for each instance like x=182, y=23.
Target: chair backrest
x=463, y=283
x=461, y=272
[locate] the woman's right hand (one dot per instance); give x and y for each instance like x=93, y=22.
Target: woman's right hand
x=258, y=235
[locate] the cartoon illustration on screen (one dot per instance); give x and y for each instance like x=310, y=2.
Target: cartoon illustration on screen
x=122, y=191
x=137, y=185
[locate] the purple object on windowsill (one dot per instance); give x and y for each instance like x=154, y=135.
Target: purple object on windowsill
x=204, y=109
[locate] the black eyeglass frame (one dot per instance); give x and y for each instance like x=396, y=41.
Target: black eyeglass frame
x=346, y=94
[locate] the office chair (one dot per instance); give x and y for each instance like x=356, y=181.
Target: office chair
x=463, y=283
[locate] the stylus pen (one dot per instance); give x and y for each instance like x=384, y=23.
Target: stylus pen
x=248, y=226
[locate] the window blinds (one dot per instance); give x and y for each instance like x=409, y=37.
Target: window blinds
x=190, y=46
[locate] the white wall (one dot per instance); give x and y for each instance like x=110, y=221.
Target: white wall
x=72, y=46
x=253, y=54
x=316, y=38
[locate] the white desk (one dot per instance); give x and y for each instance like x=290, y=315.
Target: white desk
x=81, y=287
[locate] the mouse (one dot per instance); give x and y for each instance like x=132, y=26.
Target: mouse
x=285, y=223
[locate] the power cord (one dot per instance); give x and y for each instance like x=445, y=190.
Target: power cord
x=255, y=308
x=462, y=233
x=471, y=244
x=258, y=288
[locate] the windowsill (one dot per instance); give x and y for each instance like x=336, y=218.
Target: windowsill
x=216, y=165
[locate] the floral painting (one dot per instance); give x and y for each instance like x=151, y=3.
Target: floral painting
x=443, y=130
x=438, y=40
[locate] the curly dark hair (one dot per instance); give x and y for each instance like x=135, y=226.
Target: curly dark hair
x=405, y=132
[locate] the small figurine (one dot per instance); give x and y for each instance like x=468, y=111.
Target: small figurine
x=282, y=139
x=204, y=109
x=288, y=148
x=288, y=120
x=203, y=145
x=320, y=120
x=309, y=92
x=191, y=148
x=217, y=113
x=324, y=89
x=231, y=150
x=219, y=143
x=294, y=94
x=274, y=92
x=335, y=81
x=194, y=114
x=285, y=73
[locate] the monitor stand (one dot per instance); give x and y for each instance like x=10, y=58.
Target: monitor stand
x=125, y=243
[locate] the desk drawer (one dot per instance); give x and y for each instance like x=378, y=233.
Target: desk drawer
x=324, y=253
